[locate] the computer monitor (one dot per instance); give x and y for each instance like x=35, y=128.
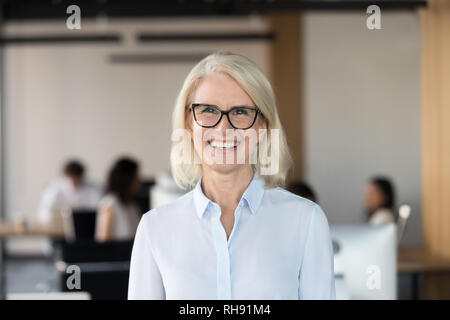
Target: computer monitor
x=365, y=259
x=142, y=197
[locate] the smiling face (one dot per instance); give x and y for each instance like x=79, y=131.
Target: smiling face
x=223, y=148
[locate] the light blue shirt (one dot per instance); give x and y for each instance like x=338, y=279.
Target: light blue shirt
x=279, y=248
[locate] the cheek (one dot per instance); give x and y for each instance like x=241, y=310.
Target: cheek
x=249, y=149
x=198, y=134
x=251, y=144
x=379, y=198
x=368, y=197
x=374, y=198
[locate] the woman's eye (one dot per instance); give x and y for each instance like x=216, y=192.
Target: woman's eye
x=209, y=110
x=241, y=111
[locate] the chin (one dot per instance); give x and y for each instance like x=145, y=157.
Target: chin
x=225, y=168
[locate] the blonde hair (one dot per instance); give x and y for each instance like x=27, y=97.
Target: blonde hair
x=253, y=81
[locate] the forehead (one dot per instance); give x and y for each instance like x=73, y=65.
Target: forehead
x=221, y=90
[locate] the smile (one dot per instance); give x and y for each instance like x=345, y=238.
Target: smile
x=223, y=144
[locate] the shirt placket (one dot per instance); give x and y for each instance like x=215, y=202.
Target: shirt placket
x=223, y=252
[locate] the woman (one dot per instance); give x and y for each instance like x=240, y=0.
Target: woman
x=237, y=234
x=379, y=200
x=118, y=216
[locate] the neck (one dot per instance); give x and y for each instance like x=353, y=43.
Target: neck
x=226, y=189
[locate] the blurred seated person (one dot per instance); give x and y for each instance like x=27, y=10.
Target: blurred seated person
x=379, y=200
x=117, y=214
x=303, y=190
x=71, y=191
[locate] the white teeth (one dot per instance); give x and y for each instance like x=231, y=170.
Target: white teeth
x=217, y=144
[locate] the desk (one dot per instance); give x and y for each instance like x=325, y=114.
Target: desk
x=9, y=229
x=417, y=261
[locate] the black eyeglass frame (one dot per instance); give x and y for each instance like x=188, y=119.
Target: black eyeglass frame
x=195, y=105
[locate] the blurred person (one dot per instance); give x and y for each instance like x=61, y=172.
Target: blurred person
x=118, y=214
x=165, y=189
x=379, y=199
x=237, y=234
x=71, y=190
x=303, y=190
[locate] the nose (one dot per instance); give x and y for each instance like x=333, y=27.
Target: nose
x=224, y=124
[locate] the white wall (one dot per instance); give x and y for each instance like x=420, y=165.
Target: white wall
x=69, y=100
x=362, y=112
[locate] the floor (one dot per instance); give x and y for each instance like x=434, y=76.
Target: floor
x=30, y=275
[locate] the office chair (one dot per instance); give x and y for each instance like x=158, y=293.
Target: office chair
x=84, y=224
x=403, y=214
x=104, y=266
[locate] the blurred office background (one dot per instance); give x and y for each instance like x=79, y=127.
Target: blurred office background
x=349, y=97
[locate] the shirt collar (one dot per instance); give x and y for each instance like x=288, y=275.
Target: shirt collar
x=252, y=195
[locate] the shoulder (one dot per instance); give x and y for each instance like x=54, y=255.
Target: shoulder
x=55, y=185
x=382, y=216
x=163, y=220
x=108, y=200
x=384, y=212
x=294, y=206
x=52, y=187
x=281, y=197
x=55, y=182
x=172, y=210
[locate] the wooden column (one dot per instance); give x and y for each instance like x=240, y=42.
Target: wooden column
x=285, y=74
x=435, y=32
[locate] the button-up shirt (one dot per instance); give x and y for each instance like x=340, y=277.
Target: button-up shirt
x=279, y=248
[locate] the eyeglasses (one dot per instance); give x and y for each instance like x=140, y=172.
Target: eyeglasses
x=208, y=115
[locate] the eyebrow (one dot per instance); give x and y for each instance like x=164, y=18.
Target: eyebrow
x=214, y=105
